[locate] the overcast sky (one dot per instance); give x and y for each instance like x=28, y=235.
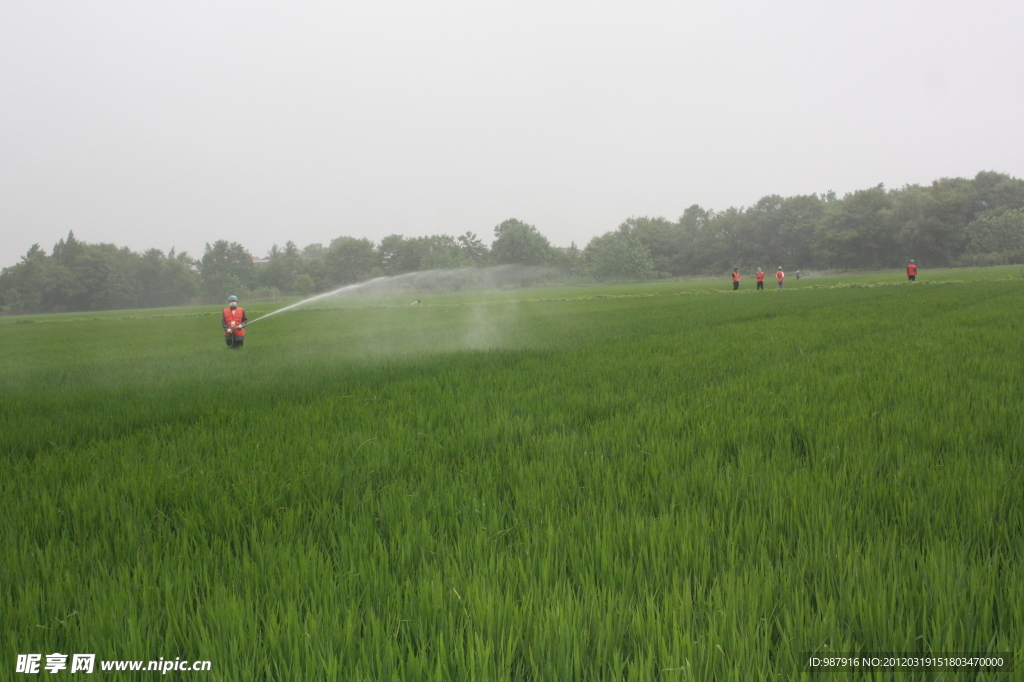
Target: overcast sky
x=173, y=124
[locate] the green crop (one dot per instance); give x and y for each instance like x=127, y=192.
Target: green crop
x=662, y=481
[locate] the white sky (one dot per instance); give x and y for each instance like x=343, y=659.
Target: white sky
x=160, y=124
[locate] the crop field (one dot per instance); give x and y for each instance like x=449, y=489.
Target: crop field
x=663, y=481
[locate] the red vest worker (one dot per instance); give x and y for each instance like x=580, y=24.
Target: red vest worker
x=781, y=276
x=911, y=271
x=234, y=321
x=735, y=279
x=760, y=279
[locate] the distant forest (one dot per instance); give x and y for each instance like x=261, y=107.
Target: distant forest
x=952, y=222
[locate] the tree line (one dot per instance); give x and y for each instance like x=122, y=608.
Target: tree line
x=952, y=222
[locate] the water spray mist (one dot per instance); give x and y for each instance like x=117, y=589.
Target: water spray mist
x=491, y=277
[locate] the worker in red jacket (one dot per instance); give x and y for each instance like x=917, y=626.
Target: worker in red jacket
x=781, y=276
x=760, y=279
x=234, y=322
x=911, y=271
x=735, y=279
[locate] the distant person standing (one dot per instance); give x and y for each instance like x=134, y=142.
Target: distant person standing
x=798, y=274
x=760, y=279
x=781, y=276
x=234, y=321
x=735, y=279
x=911, y=271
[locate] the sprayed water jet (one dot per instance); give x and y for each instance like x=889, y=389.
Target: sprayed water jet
x=457, y=279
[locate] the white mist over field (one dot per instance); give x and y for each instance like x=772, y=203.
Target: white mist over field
x=494, y=278
x=422, y=311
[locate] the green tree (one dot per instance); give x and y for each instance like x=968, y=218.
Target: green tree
x=857, y=231
x=718, y=243
x=350, y=260
x=313, y=251
x=95, y=277
x=68, y=250
x=663, y=240
x=473, y=248
x=801, y=216
x=314, y=276
x=692, y=224
x=225, y=269
x=996, y=238
x=399, y=254
x=619, y=255
x=571, y=260
x=149, y=281
x=99, y=276
x=521, y=244
x=996, y=190
x=761, y=233
x=939, y=237
x=179, y=280
x=441, y=252
x=35, y=285
x=165, y=280
x=283, y=270
x=779, y=230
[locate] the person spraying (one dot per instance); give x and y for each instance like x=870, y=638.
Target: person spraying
x=234, y=322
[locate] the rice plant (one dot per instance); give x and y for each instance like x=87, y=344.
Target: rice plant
x=662, y=481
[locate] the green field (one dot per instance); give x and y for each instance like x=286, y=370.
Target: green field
x=662, y=481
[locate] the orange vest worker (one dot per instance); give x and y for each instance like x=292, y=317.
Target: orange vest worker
x=233, y=319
